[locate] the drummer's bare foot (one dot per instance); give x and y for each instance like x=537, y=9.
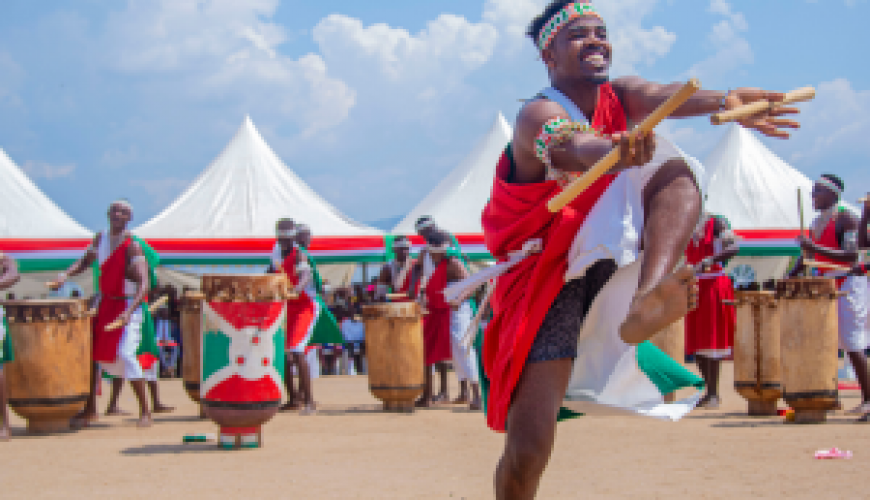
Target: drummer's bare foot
x=475, y=405
x=651, y=312
x=441, y=399
x=290, y=407
x=461, y=400
x=309, y=409
x=145, y=421
x=83, y=420
x=862, y=409
x=423, y=402
x=709, y=402
x=117, y=412
x=161, y=408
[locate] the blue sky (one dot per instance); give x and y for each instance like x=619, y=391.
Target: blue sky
x=372, y=103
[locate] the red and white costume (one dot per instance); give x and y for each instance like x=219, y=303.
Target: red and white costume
x=436, y=324
x=710, y=327
x=303, y=311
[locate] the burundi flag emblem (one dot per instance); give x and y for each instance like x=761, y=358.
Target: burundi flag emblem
x=243, y=353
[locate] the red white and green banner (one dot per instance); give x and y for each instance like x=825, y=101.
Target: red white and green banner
x=56, y=255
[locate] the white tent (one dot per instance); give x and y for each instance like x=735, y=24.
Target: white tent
x=243, y=193
x=457, y=202
x=755, y=189
x=25, y=211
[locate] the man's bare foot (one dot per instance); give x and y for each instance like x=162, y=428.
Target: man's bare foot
x=862, y=409
x=144, y=422
x=117, y=412
x=423, y=403
x=309, y=409
x=5, y=433
x=441, y=399
x=83, y=420
x=461, y=400
x=290, y=407
x=475, y=405
x=651, y=312
x=163, y=409
x=709, y=403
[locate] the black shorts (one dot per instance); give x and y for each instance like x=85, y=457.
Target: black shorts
x=557, y=337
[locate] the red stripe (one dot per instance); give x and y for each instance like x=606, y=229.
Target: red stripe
x=768, y=234
x=28, y=245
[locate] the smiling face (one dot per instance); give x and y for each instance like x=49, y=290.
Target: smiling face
x=580, y=51
x=285, y=242
x=119, y=216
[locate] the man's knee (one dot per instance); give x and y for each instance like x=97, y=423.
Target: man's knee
x=526, y=456
x=677, y=178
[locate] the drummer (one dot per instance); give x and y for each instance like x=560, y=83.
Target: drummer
x=710, y=327
x=397, y=273
x=834, y=239
x=124, y=284
x=8, y=277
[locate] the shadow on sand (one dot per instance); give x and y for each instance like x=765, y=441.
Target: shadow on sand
x=170, y=449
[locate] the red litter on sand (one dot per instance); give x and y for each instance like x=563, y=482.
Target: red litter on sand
x=832, y=454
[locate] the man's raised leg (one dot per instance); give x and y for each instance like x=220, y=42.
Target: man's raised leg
x=531, y=428
x=672, y=205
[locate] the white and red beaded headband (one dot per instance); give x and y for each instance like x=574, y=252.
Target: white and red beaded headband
x=561, y=19
x=401, y=244
x=123, y=202
x=824, y=181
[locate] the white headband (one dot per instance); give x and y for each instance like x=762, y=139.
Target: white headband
x=401, y=244
x=285, y=233
x=439, y=248
x=124, y=203
x=824, y=181
x=424, y=224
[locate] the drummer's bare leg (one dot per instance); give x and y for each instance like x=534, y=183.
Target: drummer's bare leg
x=292, y=404
x=305, y=394
x=476, y=403
x=425, y=400
x=156, y=404
x=444, y=395
x=672, y=204
x=5, y=432
x=463, y=393
x=531, y=428
x=113, y=409
x=142, y=396
x=710, y=374
x=859, y=362
x=89, y=414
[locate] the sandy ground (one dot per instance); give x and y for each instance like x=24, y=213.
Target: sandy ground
x=353, y=450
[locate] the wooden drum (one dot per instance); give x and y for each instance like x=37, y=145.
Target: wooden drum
x=244, y=329
x=757, y=359
x=49, y=381
x=672, y=341
x=394, y=341
x=808, y=326
x=191, y=334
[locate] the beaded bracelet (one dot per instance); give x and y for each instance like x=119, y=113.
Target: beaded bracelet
x=556, y=131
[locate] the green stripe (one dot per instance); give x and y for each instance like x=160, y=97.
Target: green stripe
x=769, y=252
x=666, y=374
x=7, y=353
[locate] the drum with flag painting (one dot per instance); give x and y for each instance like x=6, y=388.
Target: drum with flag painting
x=242, y=354
x=191, y=334
x=672, y=341
x=808, y=329
x=49, y=380
x=394, y=340
x=757, y=355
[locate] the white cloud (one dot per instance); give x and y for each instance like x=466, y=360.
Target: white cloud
x=40, y=170
x=732, y=49
x=227, y=49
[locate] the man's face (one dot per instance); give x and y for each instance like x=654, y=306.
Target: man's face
x=823, y=197
x=119, y=216
x=303, y=238
x=427, y=233
x=581, y=51
x=285, y=242
x=402, y=253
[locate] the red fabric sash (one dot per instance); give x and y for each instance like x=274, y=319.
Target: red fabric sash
x=436, y=324
x=112, y=304
x=288, y=266
x=515, y=214
x=829, y=240
x=696, y=252
x=300, y=312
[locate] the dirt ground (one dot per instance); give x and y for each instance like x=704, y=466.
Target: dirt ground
x=353, y=450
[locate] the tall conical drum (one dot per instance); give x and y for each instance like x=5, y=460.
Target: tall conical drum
x=394, y=340
x=757, y=352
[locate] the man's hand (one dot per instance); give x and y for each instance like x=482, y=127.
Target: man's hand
x=768, y=123
x=806, y=244
x=635, y=148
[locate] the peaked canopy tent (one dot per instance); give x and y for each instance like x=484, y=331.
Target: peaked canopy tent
x=758, y=193
x=35, y=231
x=457, y=202
x=227, y=216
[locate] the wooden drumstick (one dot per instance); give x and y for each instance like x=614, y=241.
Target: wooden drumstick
x=754, y=108
x=152, y=308
x=836, y=267
x=604, y=165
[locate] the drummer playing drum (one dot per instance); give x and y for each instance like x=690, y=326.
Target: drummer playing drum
x=8, y=277
x=834, y=239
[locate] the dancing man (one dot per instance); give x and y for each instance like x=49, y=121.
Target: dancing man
x=533, y=338
x=834, y=239
x=710, y=327
x=125, y=276
x=8, y=277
